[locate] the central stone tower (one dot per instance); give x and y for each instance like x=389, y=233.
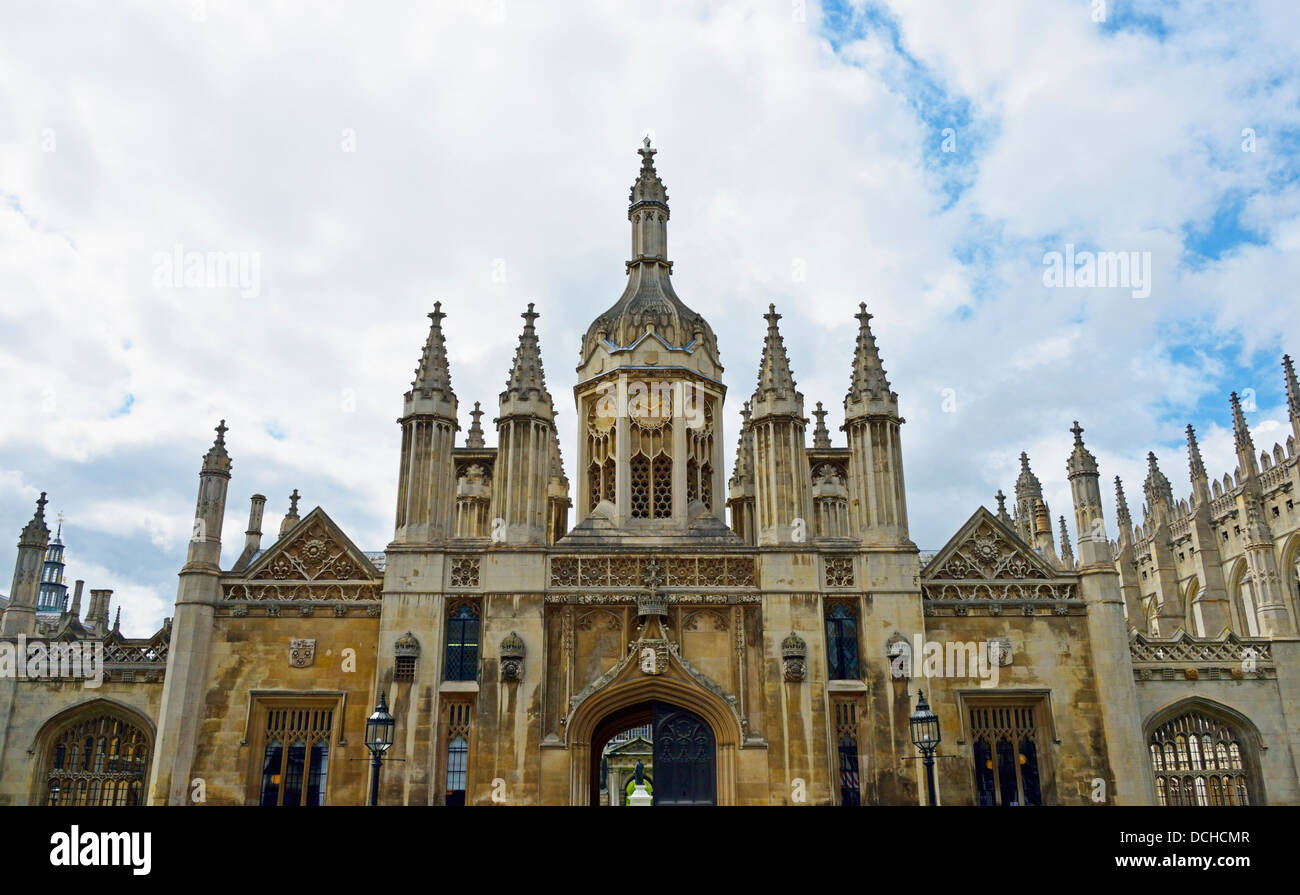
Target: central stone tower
x=649, y=399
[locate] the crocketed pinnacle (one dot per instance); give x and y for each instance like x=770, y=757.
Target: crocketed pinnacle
x=527, y=380
x=216, y=459
x=648, y=187
x=775, y=381
x=1240, y=431
x=1067, y=552
x=821, y=436
x=433, y=376
x=868, y=383
x=1081, y=461
x=1195, y=464
x=1292, y=388
x=1156, y=487
x=474, y=437
x=744, y=470
x=1121, y=506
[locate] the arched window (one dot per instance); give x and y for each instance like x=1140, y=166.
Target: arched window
x=842, y=642
x=462, y=643
x=1213, y=750
x=83, y=766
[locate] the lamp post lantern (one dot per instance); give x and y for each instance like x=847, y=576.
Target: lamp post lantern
x=379, y=737
x=925, y=736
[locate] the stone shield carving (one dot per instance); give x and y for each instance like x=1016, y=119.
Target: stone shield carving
x=302, y=652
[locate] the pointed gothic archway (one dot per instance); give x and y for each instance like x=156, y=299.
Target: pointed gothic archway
x=684, y=758
x=632, y=702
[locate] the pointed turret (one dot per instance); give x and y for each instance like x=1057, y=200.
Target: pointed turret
x=821, y=436
x=210, y=511
x=433, y=375
x=776, y=391
x=1247, y=459
x=1085, y=492
x=1067, y=554
x=1122, y=514
x=877, y=499
x=1196, y=469
x=1292, y=396
x=782, y=478
x=426, y=479
x=20, y=615
x=1158, y=492
x=526, y=385
x=525, y=435
x=869, y=391
x=474, y=437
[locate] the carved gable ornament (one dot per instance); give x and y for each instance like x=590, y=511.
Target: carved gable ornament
x=986, y=550
x=314, y=560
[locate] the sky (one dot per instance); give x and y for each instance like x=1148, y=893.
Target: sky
x=361, y=161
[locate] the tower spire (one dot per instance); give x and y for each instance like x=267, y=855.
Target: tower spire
x=1292, y=396
x=1159, y=493
x=1244, y=443
x=1028, y=492
x=1067, y=554
x=775, y=380
x=869, y=390
x=527, y=381
x=433, y=375
x=1196, y=469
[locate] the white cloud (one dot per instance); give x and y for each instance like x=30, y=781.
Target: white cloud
x=482, y=137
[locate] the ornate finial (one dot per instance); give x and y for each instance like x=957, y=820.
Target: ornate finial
x=436, y=315
x=821, y=436
x=222, y=429
x=40, y=506
x=529, y=316
x=293, y=502
x=1024, y=462
x=474, y=437
x=1078, y=434
x=647, y=152
x=1002, y=506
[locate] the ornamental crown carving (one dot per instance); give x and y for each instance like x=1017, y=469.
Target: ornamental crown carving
x=512, y=645
x=406, y=645
x=794, y=646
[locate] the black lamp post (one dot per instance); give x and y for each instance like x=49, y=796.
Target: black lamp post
x=379, y=736
x=925, y=736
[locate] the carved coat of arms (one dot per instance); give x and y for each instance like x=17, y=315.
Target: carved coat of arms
x=302, y=652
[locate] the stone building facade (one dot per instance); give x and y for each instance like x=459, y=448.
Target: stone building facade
x=772, y=629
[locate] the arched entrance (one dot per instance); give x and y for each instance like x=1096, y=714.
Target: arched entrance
x=685, y=752
x=94, y=754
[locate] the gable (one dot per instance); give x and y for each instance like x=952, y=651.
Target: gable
x=985, y=549
x=313, y=550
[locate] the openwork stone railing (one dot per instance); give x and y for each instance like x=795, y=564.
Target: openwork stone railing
x=673, y=571
x=1183, y=656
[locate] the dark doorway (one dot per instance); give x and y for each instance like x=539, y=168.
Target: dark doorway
x=685, y=754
